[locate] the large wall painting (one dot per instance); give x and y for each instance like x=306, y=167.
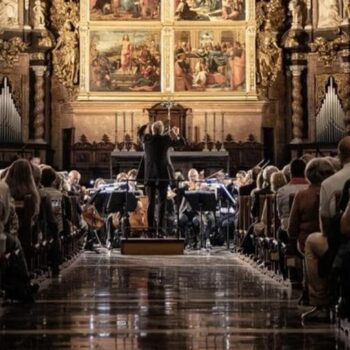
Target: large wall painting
x=210, y=60
x=210, y=10
x=125, y=61
x=129, y=51
x=124, y=10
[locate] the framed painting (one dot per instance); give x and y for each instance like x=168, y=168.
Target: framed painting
x=125, y=10
x=125, y=61
x=210, y=10
x=210, y=60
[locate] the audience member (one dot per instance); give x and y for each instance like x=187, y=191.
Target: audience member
x=304, y=217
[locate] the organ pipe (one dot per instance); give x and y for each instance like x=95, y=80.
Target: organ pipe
x=329, y=120
x=10, y=119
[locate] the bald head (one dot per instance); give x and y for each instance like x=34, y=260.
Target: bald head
x=344, y=149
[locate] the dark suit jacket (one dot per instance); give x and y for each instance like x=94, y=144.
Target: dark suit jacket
x=247, y=189
x=157, y=163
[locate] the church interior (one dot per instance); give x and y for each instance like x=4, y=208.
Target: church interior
x=174, y=174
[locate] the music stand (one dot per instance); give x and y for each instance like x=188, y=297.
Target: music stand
x=123, y=202
x=225, y=196
x=201, y=201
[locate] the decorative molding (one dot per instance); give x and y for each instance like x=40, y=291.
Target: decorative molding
x=328, y=50
x=10, y=50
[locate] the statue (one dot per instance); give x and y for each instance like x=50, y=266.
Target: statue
x=66, y=54
x=8, y=13
x=269, y=59
x=328, y=14
x=39, y=15
x=346, y=12
x=296, y=9
x=45, y=40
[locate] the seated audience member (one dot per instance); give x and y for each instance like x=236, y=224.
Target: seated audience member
x=47, y=225
x=304, y=217
x=21, y=183
x=296, y=183
x=49, y=180
x=266, y=189
x=286, y=172
x=15, y=280
x=306, y=157
x=277, y=181
x=341, y=265
x=321, y=247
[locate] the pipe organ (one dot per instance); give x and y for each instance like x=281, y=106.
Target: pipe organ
x=330, y=119
x=10, y=119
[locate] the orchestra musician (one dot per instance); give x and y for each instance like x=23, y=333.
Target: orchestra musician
x=158, y=170
x=189, y=219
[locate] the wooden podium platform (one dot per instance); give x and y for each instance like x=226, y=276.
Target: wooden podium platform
x=152, y=246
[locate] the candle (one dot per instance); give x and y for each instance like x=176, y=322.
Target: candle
x=214, y=126
x=116, y=129
x=132, y=126
x=222, y=127
x=205, y=125
x=124, y=123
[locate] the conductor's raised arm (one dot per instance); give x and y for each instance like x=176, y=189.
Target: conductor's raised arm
x=141, y=132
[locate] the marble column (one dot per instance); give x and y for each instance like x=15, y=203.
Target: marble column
x=346, y=97
x=39, y=109
x=297, y=100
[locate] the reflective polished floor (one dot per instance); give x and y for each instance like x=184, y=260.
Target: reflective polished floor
x=197, y=301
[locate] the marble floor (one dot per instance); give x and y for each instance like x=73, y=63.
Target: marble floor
x=197, y=301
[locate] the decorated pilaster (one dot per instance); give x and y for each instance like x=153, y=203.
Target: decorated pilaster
x=345, y=64
x=39, y=109
x=297, y=100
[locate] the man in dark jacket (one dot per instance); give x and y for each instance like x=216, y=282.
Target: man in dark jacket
x=158, y=169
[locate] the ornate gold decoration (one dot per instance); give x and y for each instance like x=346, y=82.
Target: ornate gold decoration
x=343, y=91
x=290, y=39
x=328, y=50
x=10, y=50
x=45, y=40
x=65, y=20
x=270, y=18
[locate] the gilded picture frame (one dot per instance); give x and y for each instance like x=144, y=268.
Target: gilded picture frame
x=163, y=35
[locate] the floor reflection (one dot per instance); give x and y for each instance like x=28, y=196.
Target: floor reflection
x=191, y=302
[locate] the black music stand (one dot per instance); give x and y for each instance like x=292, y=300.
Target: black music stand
x=123, y=202
x=225, y=196
x=201, y=201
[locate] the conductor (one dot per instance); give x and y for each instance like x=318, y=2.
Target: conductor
x=158, y=170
